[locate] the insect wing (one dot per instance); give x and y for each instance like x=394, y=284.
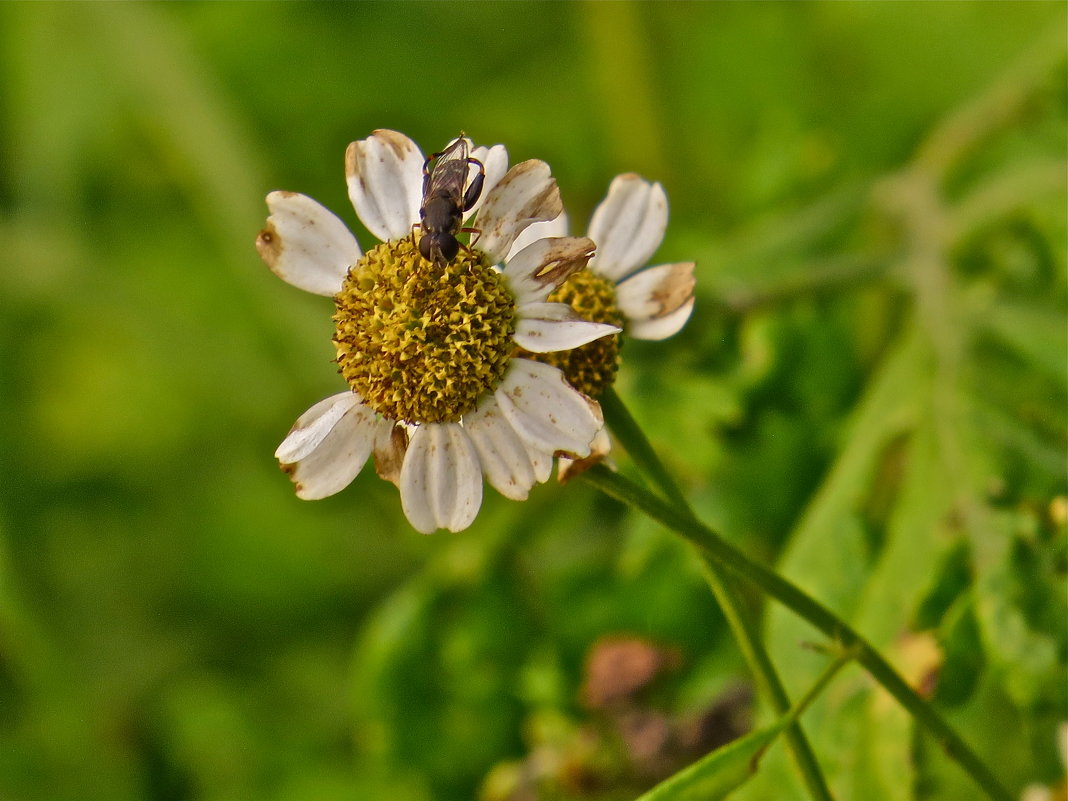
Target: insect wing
x=449, y=173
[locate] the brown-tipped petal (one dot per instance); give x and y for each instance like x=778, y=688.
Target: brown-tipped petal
x=305, y=244
x=384, y=173
x=542, y=266
x=526, y=194
x=657, y=291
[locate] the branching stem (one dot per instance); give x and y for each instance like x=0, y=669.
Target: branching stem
x=717, y=550
x=728, y=595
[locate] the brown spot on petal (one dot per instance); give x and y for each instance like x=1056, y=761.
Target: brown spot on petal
x=291, y=471
x=674, y=290
x=565, y=256
x=269, y=245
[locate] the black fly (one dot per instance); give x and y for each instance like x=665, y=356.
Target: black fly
x=445, y=199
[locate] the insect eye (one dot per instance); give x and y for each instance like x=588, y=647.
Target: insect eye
x=425, y=244
x=449, y=248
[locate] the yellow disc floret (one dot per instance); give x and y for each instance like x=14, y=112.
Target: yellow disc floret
x=423, y=342
x=589, y=368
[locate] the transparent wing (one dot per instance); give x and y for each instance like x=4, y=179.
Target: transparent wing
x=448, y=174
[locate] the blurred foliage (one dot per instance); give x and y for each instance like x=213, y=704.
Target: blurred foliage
x=871, y=395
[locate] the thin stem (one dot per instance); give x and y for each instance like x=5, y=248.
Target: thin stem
x=630, y=434
x=843, y=657
x=725, y=588
x=726, y=555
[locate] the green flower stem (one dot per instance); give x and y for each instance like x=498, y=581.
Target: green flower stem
x=718, y=550
x=842, y=657
x=728, y=595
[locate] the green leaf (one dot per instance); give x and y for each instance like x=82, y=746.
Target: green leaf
x=1027, y=660
x=718, y=774
x=829, y=550
x=1036, y=335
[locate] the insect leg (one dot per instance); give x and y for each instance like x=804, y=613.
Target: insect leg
x=426, y=170
x=477, y=233
x=475, y=189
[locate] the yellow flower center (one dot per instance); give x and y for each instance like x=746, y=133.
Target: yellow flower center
x=589, y=368
x=419, y=342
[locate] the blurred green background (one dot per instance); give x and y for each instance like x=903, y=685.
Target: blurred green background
x=871, y=394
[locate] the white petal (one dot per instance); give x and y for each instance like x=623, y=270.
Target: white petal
x=627, y=226
x=526, y=194
x=547, y=327
x=305, y=244
x=505, y=460
x=331, y=455
x=657, y=291
x=440, y=482
x=542, y=266
x=385, y=177
x=495, y=162
x=661, y=327
x=546, y=412
x=312, y=427
x=541, y=460
x=540, y=230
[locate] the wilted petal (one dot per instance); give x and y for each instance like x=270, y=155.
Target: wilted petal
x=390, y=447
x=548, y=327
x=657, y=291
x=385, y=178
x=526, y=194
x=504, y=457
x=628, y=226
x=543, y=265
x=661, y=327
x=305, y=244
x=440, y=482
x=555, y=227
x=601, y=446
x=546, y=412
x=328, y=446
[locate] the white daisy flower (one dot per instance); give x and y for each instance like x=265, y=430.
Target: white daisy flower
x=436, y=390
x=651, y=303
